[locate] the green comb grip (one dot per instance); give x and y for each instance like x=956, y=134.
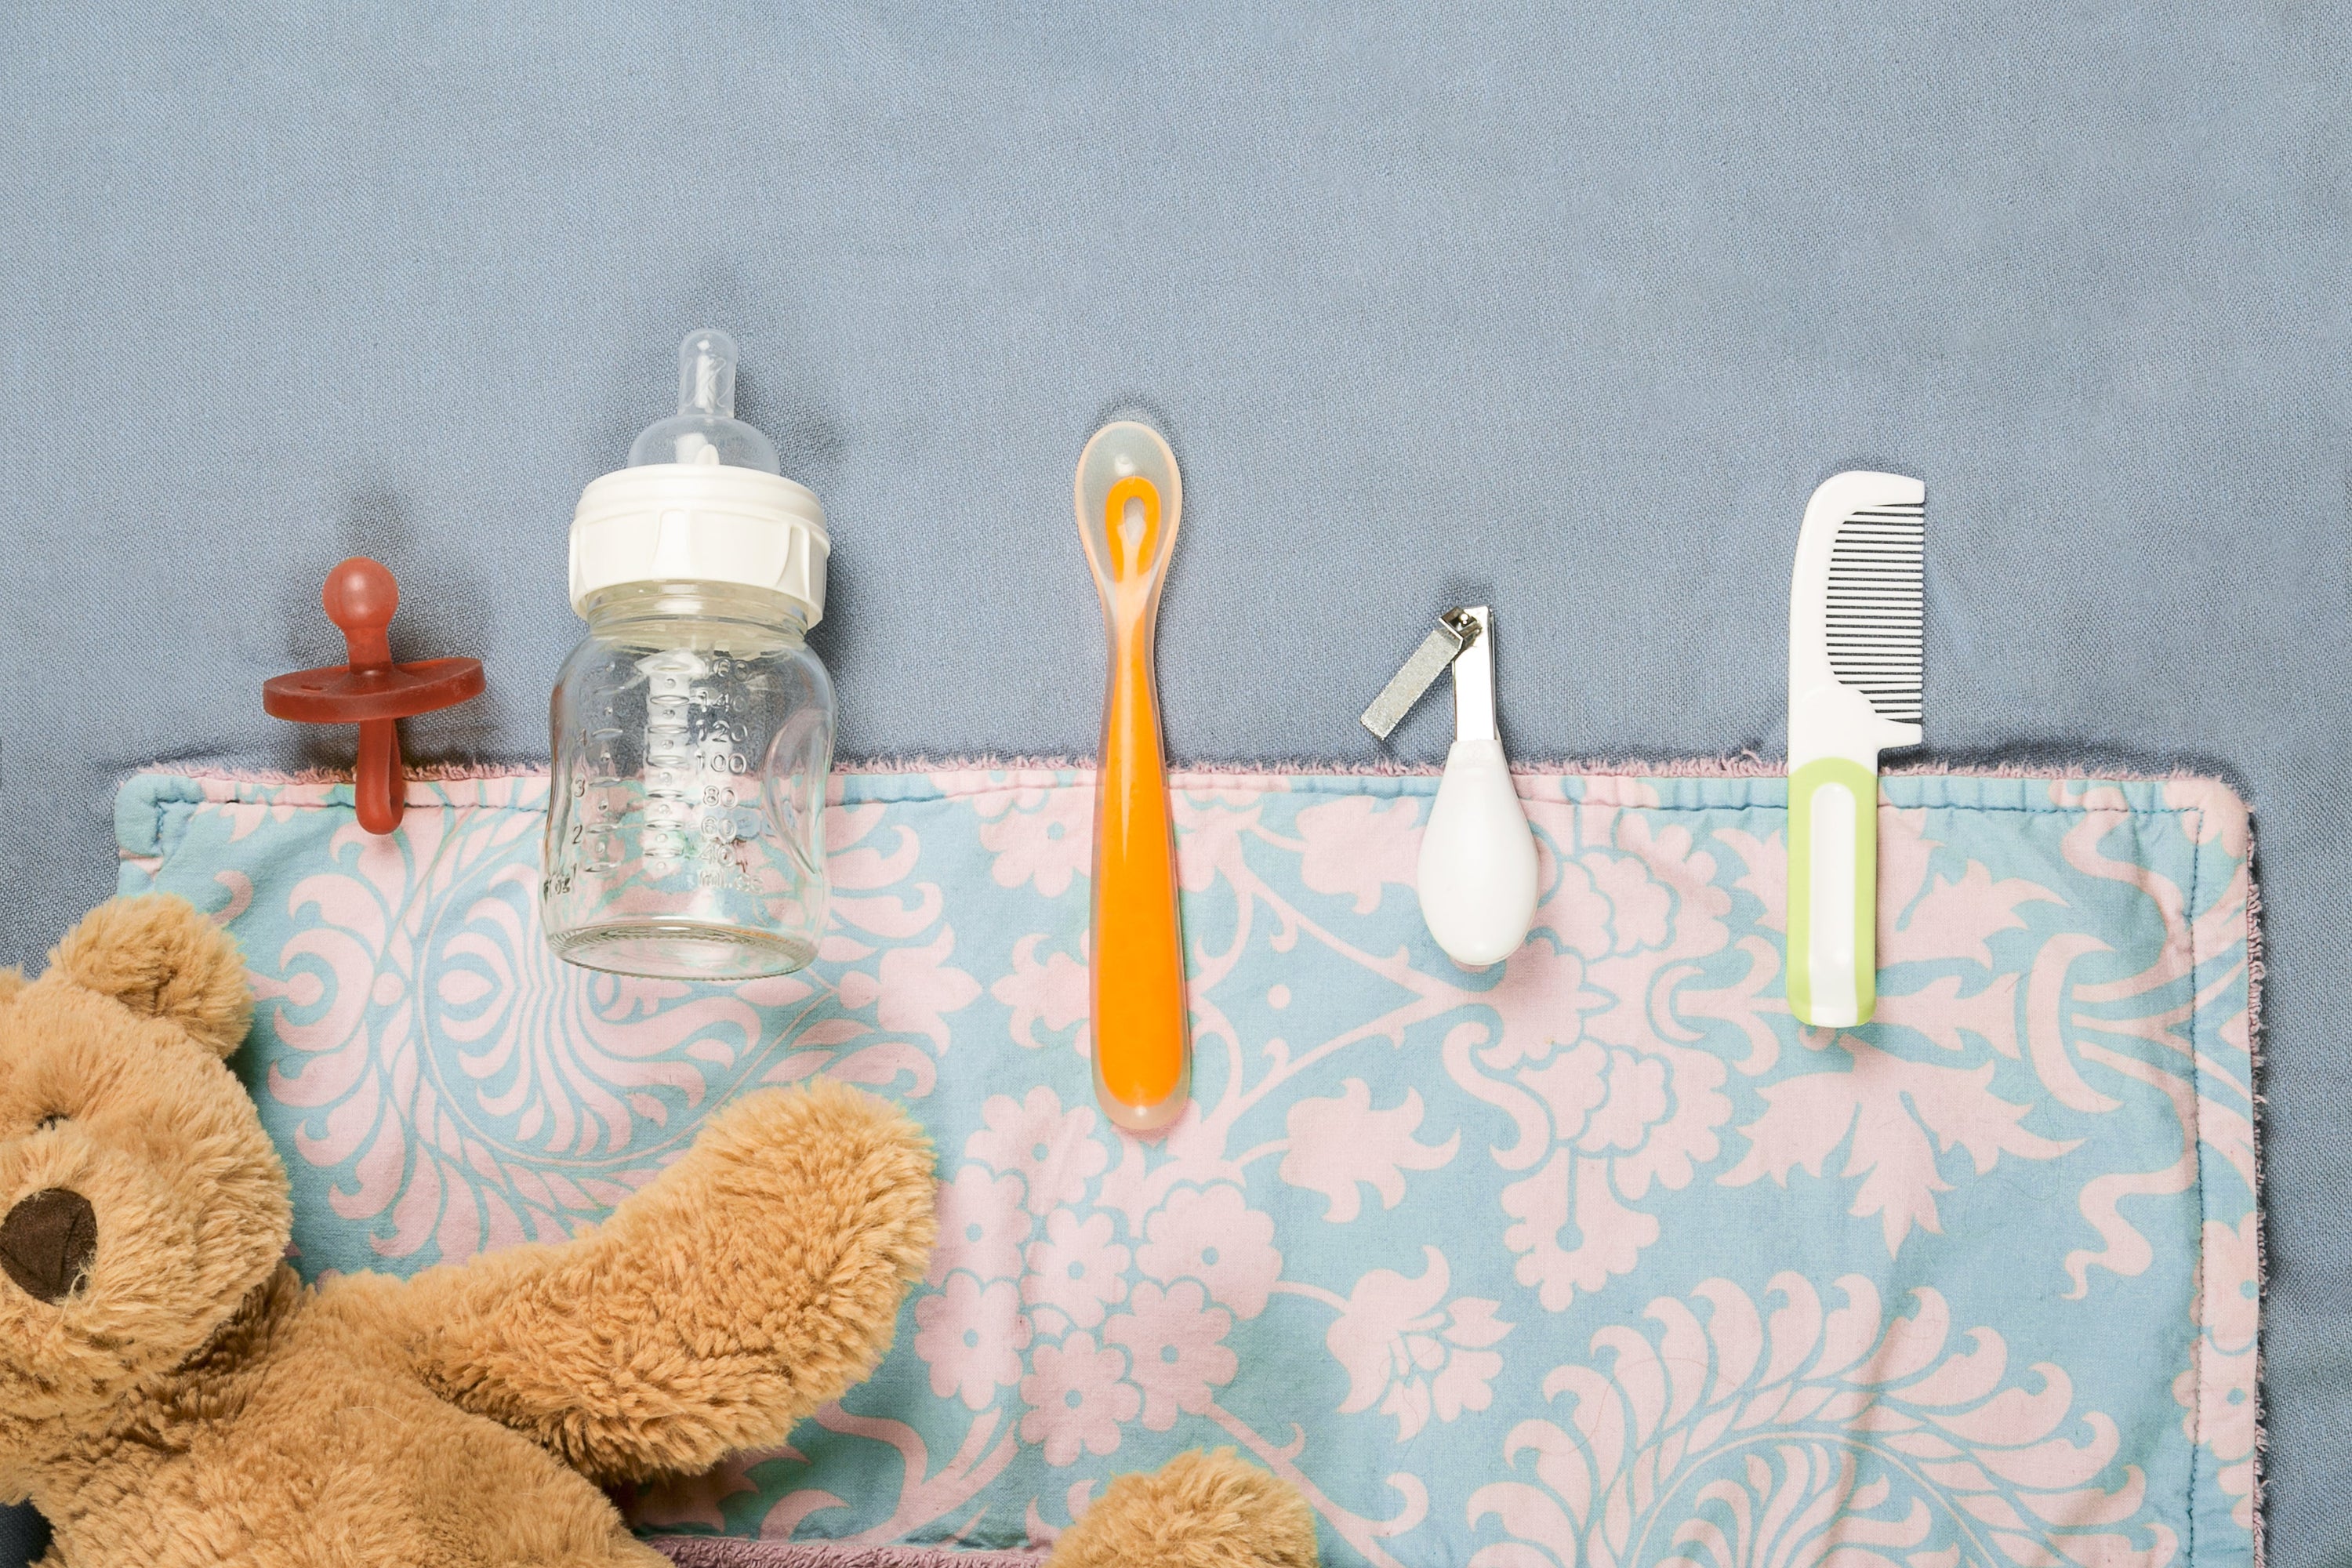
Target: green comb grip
x=1805, y=785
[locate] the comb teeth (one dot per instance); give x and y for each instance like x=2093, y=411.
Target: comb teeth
x=1877, y=592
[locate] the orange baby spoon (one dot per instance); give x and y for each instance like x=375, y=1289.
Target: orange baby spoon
x=1129, y=499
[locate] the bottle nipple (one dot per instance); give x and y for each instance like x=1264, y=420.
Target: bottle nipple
x=706, y=374
x=705, y=430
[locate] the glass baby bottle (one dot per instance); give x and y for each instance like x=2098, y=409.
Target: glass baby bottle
x=693, y=728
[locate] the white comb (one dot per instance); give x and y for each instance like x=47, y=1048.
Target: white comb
x=1856, y=648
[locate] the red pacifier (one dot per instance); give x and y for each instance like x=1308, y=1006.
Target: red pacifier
x=371, y=691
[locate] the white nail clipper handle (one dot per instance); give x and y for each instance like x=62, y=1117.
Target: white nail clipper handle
x=1477, y=871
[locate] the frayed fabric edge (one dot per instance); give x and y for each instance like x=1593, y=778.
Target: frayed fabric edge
x=722, y=1551
x=2254, y=1042
x=1744, y=764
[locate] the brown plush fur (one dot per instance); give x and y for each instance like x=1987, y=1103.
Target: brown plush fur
x=149, y=956
x=1199, y=1510
x=190, y=1402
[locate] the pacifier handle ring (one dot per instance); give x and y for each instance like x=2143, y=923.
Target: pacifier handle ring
x=380, y=784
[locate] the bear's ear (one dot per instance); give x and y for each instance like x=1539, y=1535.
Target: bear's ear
x=159, y=957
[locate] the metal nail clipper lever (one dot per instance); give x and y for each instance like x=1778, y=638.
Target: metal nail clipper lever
x=1455, y=630
x=1477, y=871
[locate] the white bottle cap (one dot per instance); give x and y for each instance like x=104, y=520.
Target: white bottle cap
x=702, y=502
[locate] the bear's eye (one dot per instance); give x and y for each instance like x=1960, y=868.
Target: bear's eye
x=54, y=1118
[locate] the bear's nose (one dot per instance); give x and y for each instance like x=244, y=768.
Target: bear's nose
x=47, y=1243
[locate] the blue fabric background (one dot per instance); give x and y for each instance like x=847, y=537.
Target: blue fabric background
x=1564, y=308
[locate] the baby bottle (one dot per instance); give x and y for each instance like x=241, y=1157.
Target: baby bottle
x=693, y=728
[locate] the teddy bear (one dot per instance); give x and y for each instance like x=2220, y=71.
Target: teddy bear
x=173, y=1395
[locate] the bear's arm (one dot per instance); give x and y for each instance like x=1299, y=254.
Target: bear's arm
x=751, y=1282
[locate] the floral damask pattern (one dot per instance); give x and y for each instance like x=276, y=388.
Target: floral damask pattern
x=1595, y=1256
x=1724, y=1434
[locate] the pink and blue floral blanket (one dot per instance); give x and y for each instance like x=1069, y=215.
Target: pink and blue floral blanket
x=1594, y=1258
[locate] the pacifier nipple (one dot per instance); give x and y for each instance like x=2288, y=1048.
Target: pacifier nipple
x=361, y=598
x=705, y=430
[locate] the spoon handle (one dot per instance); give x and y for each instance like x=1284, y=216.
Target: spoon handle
x=1141, y=1019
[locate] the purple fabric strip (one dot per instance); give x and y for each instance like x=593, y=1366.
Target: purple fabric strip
x=725, y=1551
